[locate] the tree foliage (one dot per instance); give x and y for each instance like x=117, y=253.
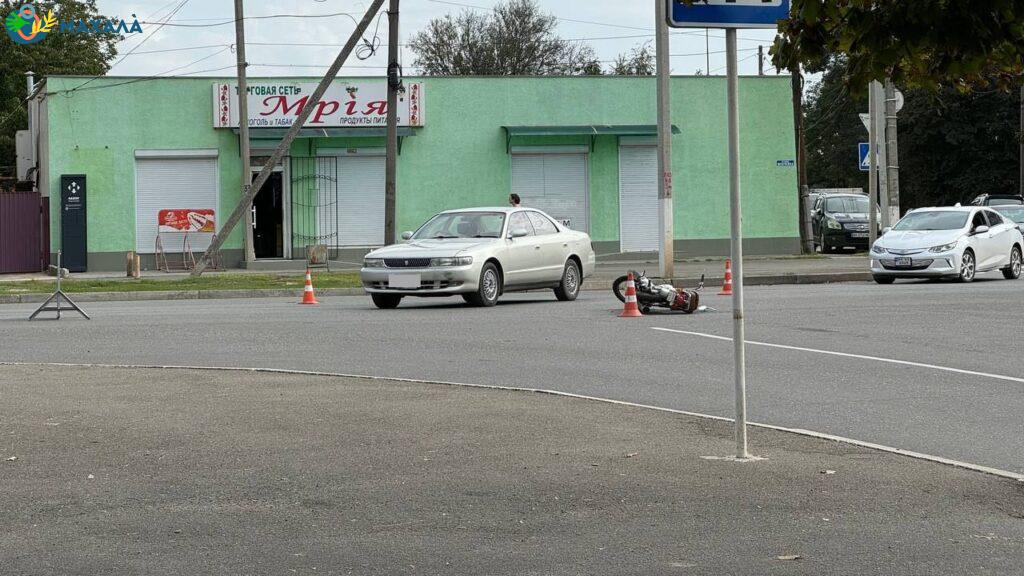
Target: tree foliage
x=517, y=38
x=953, y=145
x=639, y=62
x=58, y=53
x=931, y=44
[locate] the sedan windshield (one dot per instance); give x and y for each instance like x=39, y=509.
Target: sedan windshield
x=1015, y=213
x=1004, y=202
x=455, y=225
x=934, y=220
x=847, y=205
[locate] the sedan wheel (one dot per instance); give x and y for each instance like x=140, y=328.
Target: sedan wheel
x=488, y=289
x=569, y=288
x=386, y=301
x=967, y=267
x=1012, y=272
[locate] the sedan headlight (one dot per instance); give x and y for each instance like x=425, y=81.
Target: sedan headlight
x=373, y=263
x=447, y=262
x=876, y=249
x=833, y=224
x=943, y=248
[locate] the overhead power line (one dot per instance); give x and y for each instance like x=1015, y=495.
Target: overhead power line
x=178, y=23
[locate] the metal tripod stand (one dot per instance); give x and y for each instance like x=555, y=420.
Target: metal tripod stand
x=54, y=302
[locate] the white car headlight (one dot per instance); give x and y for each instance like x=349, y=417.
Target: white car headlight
x=373, y=262
x=833, y=224
x=456, y=261
x=943, y=248
x=876, y=249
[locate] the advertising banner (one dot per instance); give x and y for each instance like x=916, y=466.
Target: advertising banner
x=349, y=105
x=187, y=220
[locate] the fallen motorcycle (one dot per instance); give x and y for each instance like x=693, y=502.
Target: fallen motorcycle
x=650, y=295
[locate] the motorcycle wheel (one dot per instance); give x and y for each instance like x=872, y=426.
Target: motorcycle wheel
x=619, y=286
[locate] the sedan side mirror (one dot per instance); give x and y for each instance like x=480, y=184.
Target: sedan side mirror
x=980, y=230
x=886, y=230
x=518, y=233
x=406, y=235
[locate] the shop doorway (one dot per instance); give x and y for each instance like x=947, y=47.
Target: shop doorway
x=268, y=218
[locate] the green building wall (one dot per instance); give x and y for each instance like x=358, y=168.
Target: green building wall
x=459, y=158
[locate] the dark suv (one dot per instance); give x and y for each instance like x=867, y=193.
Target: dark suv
x=998, y=200
x=840, y=221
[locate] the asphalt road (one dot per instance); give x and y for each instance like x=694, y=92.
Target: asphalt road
x=137, y=471
x=532, y=340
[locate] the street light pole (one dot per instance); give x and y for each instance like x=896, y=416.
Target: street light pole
x=391, y=159
x=666, y=225
x=243, y=127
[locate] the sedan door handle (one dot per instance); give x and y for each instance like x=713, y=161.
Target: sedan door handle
x=536, y=247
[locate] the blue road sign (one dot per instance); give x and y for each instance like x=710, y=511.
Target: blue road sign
x=728, y=13
x=864, y=151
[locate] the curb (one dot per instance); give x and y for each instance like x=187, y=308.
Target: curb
x=592, y=284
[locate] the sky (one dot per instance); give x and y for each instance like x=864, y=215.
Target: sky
x=192, y=42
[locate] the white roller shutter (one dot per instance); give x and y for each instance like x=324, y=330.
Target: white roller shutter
x=360, y=200
x=638, y=198
x=553, y=183
x=163, y=183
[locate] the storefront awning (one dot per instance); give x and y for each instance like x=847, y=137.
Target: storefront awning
x=589, y=130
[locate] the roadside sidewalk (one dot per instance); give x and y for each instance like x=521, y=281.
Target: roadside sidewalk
x=258, y=473
x=758, y=271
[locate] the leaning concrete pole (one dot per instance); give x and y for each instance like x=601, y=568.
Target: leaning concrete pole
x=289, y=137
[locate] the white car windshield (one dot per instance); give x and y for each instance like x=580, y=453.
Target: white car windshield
x=455, y=225
x=934, y=220
x=1015, y=213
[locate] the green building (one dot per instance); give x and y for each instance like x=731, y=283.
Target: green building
x=160, y=160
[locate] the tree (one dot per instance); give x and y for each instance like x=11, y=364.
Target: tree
x=931, y=44
x=953, y=145
x=515, y=39
x=58, y=53
x=639, y=62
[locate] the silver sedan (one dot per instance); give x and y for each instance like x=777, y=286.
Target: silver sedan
x=479, y=254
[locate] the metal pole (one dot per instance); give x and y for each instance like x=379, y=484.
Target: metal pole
x=243, y=127
x=666, y=225
x=1022, y=140
x=873, y=166
x=892, y=160
x=738, y=337
x=289, y=137
x=707, y=51
x=391, y=160
x=797, y=87
x=760, y=60
x=878, y=92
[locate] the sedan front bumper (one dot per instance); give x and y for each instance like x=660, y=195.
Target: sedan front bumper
x=435, y=281
x=922, y=265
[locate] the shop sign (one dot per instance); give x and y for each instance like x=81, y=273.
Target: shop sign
x=344, y=105
x=187, y=220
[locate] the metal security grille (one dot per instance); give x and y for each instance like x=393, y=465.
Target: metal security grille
x=314, y=199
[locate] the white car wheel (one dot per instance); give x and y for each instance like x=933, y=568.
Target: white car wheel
x=1012, y=272
x=968, y=267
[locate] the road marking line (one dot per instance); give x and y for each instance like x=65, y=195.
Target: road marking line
x=798, y=431
x=856, y=356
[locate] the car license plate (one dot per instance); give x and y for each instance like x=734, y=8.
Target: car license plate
x=859, y=235
x=904, y=262
x=404, y=281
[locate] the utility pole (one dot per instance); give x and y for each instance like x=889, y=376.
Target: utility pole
x=391, y=159
x=878, y=94
x=736, y=243
x=243, y=128
x=289, y=137
x=707, y=51
x=666, y=224
x=892, y=161
x=873, y=166
x=760, y=60
x=1021, y=136
x=797, y=86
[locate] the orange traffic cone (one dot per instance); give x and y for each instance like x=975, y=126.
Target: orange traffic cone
x=308, y=297
x=727, y=285
x=631, y=310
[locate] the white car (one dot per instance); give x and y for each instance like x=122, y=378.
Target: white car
x=954, y=242
x=480, y=253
